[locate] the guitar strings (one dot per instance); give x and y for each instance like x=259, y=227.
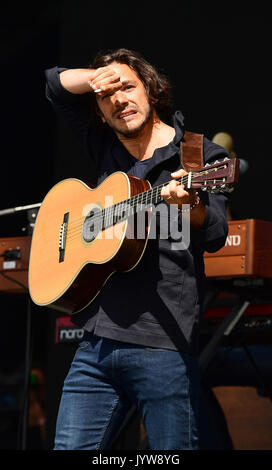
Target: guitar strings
x=134, y=197
x=147, y=194
x=75, y=227
x=111, y=210
x=182, y=180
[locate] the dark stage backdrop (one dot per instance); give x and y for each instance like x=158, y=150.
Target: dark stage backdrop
x=217, y=60
x=29, y=43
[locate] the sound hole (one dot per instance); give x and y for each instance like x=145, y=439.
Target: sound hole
x=92, y=224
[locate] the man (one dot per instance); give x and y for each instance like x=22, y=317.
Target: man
x=141, y=331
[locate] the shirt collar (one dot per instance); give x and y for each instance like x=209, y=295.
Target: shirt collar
x=120, y=154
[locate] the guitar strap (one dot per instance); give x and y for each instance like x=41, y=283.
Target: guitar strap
x=191, y=151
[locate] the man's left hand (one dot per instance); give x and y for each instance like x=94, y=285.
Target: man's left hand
x=175, y=192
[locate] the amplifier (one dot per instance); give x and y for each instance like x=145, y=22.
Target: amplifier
x=247, y=252
x=14, y=261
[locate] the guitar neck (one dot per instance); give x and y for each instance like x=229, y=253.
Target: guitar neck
x=221, y=175
x=139, y=202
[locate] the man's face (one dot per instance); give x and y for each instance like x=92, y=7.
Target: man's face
x=127, y=110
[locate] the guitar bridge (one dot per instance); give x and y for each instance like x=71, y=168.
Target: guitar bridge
x=63, y=236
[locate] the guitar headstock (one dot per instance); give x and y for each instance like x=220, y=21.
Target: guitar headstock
x=219, y=176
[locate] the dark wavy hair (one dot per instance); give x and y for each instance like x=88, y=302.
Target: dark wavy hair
x=157, y=86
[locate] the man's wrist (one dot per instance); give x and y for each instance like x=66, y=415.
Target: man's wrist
x=193, y=204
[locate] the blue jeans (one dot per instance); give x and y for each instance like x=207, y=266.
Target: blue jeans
x=107, y=377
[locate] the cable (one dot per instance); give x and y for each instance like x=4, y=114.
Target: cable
x=14, y=280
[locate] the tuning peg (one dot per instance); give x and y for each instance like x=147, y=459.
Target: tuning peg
x=207, y=164
x=228, y=189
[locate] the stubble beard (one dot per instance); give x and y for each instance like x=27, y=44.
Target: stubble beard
x=132, y=133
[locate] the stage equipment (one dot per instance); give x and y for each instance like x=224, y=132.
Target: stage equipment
x=239, y=276
x=14, y=254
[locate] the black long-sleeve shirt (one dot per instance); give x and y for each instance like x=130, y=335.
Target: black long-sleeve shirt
x=158, y=303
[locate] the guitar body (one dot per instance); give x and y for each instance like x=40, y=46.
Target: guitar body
x=83, y=235
x=67, y=268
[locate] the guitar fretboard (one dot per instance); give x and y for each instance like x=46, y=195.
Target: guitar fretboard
x=151, y=197
x=124, y=209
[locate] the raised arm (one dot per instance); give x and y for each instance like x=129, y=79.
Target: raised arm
x=68, y=91
x=79, y=81
x=76, y=80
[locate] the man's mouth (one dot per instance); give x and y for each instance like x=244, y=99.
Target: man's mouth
x=126, y=114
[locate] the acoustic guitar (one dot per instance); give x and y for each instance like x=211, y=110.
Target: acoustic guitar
x=82, y=235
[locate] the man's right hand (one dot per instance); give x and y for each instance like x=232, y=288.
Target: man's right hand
x=105, y=81
x=79, y=81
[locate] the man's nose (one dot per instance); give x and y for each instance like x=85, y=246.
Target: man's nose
x=119, y=98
